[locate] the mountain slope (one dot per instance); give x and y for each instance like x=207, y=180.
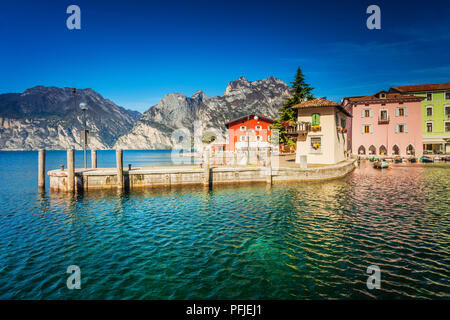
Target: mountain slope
x=241, y=97
x=46, y=117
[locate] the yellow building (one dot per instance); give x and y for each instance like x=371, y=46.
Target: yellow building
x=321, y=131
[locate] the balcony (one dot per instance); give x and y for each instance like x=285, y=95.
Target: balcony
x=299, y=128
x=383, y=119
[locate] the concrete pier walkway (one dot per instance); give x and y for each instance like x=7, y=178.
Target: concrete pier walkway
x=107, y=178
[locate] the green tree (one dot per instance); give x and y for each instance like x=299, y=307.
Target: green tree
x=299, y=90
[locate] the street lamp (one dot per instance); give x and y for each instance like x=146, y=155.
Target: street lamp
x=84, y=108
x=248, y=136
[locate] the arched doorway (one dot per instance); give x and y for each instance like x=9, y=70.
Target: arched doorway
x=410, y=150
x=383, y=151
x=361, y=150
x=395, y=150
x=372, y=150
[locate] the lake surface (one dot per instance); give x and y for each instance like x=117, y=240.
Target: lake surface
x=291, y=241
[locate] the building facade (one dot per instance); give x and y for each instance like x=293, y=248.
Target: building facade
x=250, y=131
x=435, y=114
x=321, y=131
x=385, y=124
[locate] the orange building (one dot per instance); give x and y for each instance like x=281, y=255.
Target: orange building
x=248, y=131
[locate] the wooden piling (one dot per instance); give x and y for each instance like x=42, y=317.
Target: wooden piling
x=269, y=167
x=41, y=169
x=119, y=166
x=206, y=169
x=70, y=170
x=94, y=158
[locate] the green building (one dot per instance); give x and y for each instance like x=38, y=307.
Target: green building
x=435, y=114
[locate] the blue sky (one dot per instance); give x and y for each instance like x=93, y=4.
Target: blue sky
x=135, y=52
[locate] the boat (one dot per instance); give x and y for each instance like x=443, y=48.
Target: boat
x=381, y=165
x=398, y=160
x=426, y=159
x=413, y=160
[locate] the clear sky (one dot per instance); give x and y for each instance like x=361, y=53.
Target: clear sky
x=135, y=52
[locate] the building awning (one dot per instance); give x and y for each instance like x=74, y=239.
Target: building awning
x=433, y=141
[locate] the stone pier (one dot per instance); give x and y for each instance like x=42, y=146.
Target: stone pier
x=108, y=178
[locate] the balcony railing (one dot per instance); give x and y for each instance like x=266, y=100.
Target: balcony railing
x=299, y=128
x=383, y=120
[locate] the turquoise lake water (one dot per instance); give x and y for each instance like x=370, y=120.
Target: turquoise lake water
x=291, y=241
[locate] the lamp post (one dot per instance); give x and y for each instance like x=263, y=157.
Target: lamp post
x=84, y=108
x=74, y=91
x=248, y=136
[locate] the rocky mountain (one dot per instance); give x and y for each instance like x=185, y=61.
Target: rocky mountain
x=175, y=110
x=46, y=117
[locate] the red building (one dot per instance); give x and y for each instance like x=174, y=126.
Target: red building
x=248, y=131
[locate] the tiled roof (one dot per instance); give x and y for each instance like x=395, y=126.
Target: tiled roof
x=250, y=116
x=388, y=97
x=321, y=102
x=422, y=87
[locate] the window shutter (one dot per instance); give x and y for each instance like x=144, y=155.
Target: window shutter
x=371, y=129
x=371, y=113
x=315, y=119
x=362, y=129
x=406, y=128
x=396, y=128
x=362, y=113
x=397, y=112
x=406, y=111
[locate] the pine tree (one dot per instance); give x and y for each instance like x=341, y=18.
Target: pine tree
x=300, y=90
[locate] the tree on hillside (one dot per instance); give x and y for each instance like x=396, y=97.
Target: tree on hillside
x=299, y=90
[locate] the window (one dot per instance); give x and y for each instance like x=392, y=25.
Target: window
x=243, y=128
x=447, y=110
x=242, y=138
x=447, y=96
x=367, y=128
x=259, y=138
x=429, y=111
x=400, y=128
x=316, y=144
x=401, y=112
x=429, y=126
x=258, y=128
x=383, y=115
x=429, y=96
x=366, y=113
x=315, y=119
x=343, y=123
x=447, y=126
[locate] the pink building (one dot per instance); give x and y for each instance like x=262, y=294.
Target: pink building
x=385, y=124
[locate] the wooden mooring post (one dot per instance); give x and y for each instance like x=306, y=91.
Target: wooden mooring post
x=94, y=158
x=269, y=167
x=41, y=169
x=206, y=169
x=119, y=165
x=70, y=170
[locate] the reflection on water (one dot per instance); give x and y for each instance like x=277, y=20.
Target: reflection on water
x=291, y=241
